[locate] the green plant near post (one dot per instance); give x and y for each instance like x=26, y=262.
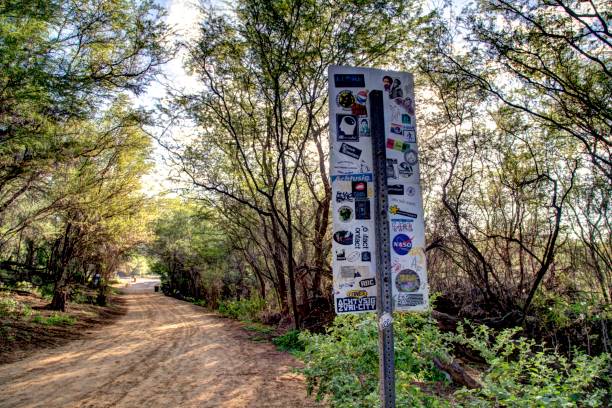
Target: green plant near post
x=343, y=364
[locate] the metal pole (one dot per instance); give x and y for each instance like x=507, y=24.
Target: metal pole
x=383, y=260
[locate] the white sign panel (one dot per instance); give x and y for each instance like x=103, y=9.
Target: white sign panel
x=354, y=246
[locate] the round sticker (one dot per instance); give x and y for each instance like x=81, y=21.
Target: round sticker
x=345, y=99
x=345, y=213
x=362, y=96
x=402, y=244
x=407, y=280
x=411, y=157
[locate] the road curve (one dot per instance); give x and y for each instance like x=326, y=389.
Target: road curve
x=162, y=353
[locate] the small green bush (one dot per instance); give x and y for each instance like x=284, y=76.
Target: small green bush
x=290, y=342
x=56, y=319
x=244, y=309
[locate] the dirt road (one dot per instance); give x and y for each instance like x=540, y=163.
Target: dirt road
x=162, y=353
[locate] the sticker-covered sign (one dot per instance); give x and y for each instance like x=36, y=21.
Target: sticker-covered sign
x=353, y=209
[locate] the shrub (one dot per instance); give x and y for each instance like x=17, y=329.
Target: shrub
x=290, y=342
x=10, y=307
x=343, y=364
x=522, y=373
x=244, y=309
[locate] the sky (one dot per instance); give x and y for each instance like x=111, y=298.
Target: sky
x=183, y=17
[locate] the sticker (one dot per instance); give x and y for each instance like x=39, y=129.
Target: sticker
x=362, y=238
x=410, y=299
x=366, y=256
x=352, y=271
x=395, y=189
x=345, y=99
x=405, y=103
x=409, y=135
x=411, y=157
x=395, y=210
x=357, y=293
x=352, y=177
x=410, y=191
x=397, y=129
x=341, y=255
x=350, y=151
x=401, y=226
x=349, y=80
x=391, y=173
x=344, y=237
x=387, y=82
x=342, y=196
x=359, y=110
x=385, y=321
x=405, y=170
x=362, y=96
x=364, y=304
x=396, y=89
x=347, y=128
x=354, y=256
x=407, y=281
x=346, y=285
x=397, y=145
x=366, y=283
x=346, y=167
x=345, y=213
x=362, y=209
x=402, y=244
x=364, y=127
x=360, y=189
x=406, y=119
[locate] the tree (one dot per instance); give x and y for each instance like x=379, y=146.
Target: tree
x=262, y=117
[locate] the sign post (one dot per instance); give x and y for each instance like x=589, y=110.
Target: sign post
x=386, y=353
x=378, y=245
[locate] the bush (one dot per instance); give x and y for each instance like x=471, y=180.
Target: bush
x=290, y=342
x=10, y=307
x=522, y=373
x=245, y=309
x=343, y=364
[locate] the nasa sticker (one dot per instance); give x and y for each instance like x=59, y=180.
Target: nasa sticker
x=402, y=244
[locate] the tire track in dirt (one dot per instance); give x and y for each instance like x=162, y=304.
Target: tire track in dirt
x=162, y=353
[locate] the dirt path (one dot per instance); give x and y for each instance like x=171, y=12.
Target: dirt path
x=162, y=353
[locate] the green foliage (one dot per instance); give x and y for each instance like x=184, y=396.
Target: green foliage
x=290, y=341
x=522, y=373
x=10, y=307
x=259, y=328
x=244, y=309
x=56, y=319
x=343, y=364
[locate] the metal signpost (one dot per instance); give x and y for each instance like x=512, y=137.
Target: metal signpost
x=374, y=161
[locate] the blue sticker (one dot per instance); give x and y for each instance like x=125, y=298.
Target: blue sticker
x=402, y=244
